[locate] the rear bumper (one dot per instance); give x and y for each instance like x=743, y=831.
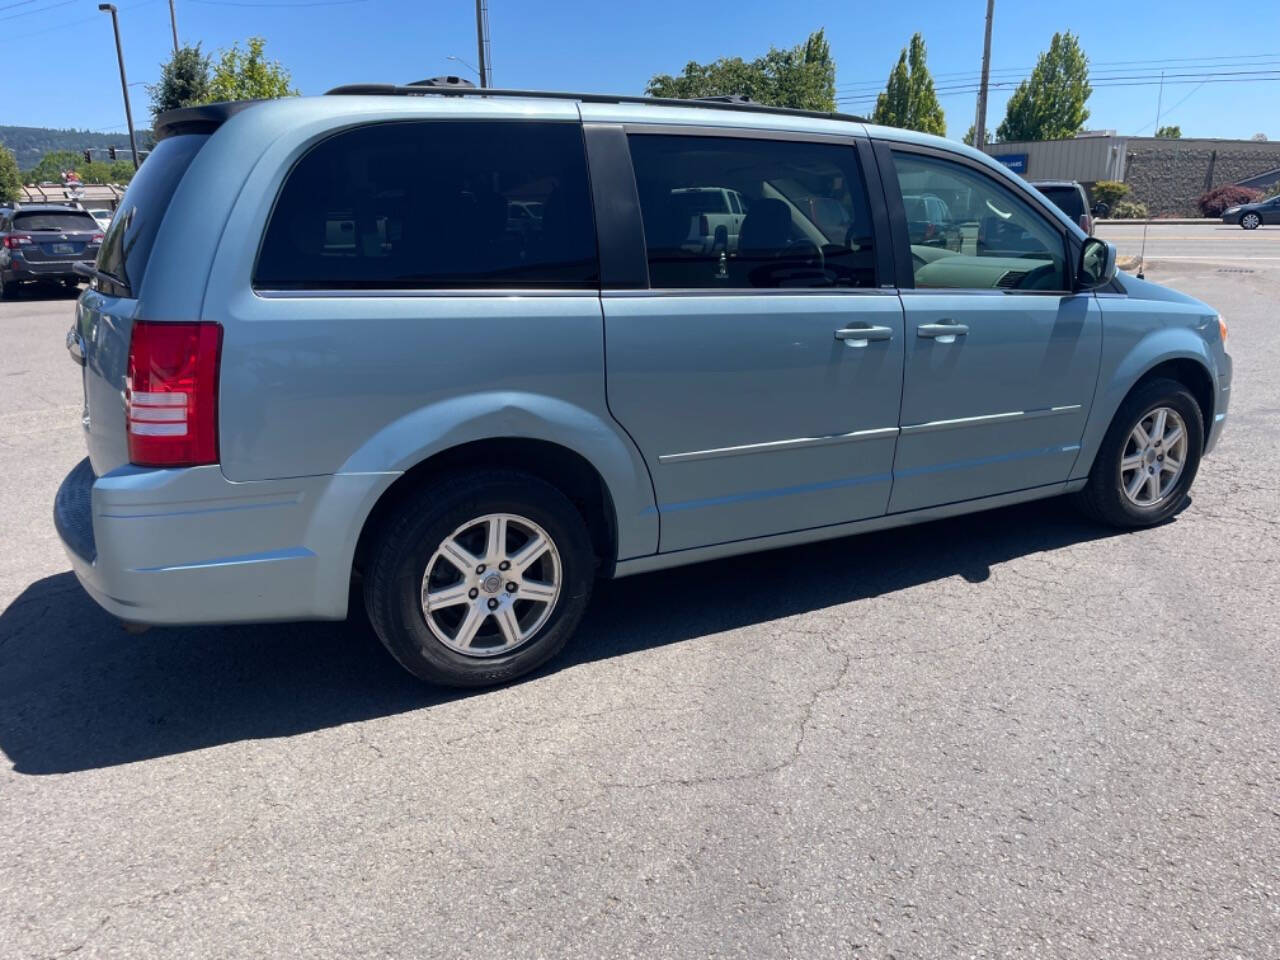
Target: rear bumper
x=58, y=270
x=189, y=546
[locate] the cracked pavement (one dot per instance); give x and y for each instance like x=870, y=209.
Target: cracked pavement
x=1010, y=734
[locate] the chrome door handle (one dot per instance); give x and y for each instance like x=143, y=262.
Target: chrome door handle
x=861, y=336
x=75, y=346
x=945, y=332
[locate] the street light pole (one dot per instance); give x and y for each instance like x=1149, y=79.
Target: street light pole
x=173, y=22
x=980, y=124
x=124, y=83
x=482, y=41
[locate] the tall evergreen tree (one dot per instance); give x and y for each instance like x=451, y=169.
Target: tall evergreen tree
x=184, y=81
x=1050, y=104
x=909, y=100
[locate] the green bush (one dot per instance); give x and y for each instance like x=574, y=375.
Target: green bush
x=1129, y=210
x=1109, y=192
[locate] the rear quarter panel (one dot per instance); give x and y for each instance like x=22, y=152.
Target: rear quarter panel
x=342, y=383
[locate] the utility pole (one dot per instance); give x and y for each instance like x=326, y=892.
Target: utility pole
x=173, y=22
x=124, y=84
x=482, y=42
x=980, y=124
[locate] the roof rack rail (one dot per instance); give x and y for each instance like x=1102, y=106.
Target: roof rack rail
x=734, y=102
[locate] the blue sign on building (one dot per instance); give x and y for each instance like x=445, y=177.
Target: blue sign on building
x=1017, y=162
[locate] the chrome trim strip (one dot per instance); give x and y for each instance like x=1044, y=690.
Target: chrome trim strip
x=457, y=293
x=774, y=445
x=989, y=418
x=622, y=294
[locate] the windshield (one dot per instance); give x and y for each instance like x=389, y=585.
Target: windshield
x=54, y=220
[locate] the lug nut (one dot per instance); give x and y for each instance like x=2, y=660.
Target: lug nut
x=493, y=604
x=473, y=593
x=512, y=587
x=504, y=565
x=480, y=569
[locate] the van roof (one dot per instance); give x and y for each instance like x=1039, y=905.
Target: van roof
x=207, y=118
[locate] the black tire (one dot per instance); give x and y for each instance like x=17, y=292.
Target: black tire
x=1103, y=497
x=1248, y=224
x=408, y=540
x=7, y=290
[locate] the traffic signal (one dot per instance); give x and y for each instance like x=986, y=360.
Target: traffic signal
x=111, y=152
x=88, y=156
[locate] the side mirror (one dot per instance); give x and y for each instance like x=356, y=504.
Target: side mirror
x=1100, y=209
x=1097, y=264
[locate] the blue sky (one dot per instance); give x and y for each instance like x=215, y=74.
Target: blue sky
x=615, y=47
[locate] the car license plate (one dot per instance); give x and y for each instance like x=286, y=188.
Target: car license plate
x=64, y=248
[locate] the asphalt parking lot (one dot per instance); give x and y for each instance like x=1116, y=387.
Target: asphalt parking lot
x=1014, y=733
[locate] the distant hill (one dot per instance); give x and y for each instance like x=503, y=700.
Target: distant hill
x=29, y=144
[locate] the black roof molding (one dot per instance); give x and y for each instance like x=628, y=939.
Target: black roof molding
x=202, y=119
x=734, y=102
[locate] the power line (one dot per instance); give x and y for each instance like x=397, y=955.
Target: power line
x=31, y=13
x=1208, y=63
x=1144, y=80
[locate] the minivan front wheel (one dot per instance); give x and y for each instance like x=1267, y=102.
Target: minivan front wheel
x=480, y=578
x=1148, y=459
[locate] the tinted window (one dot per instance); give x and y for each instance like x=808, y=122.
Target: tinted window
x=1066, y=199
x=443, y=204
x=806, y=221
x=127, y=247
x=54, y=220
x=991, y=238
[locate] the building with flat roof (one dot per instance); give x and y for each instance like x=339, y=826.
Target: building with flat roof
x=1166, y=175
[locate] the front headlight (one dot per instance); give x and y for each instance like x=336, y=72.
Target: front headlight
x=1230, y=210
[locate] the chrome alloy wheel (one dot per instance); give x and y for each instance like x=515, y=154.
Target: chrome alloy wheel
x=1153, y=457
x=491, y=585
x=1250, y=221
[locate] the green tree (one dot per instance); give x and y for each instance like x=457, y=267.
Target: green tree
x=802, y=77
x=1050, y=104
x=1169, y=133
x=909, y=100
x=249, y=75
x=972, y=132
x=184, y=81
x=10, y=180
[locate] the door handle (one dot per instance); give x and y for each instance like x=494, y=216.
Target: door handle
x=944, y=332
x=861, y=336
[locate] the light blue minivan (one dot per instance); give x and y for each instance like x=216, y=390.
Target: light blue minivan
x=477, y=348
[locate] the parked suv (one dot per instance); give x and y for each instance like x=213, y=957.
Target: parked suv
x=317, y=346
x=1071, y=199
x=43, y=243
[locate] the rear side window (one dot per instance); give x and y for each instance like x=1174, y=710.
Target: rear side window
x=1066, y=199
x=435, y=205
x=805, y=221
x=54, y=220
x=122, y=261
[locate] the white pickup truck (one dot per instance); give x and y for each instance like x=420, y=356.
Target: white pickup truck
x=710, y=209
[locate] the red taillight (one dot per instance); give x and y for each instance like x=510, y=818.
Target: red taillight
x=171, y=394
x=16, y=240
x=97, y=238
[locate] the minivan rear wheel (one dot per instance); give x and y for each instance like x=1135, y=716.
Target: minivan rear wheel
x=1148, y=458
x=479, y=578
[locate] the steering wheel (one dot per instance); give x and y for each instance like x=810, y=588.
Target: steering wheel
x=1034, y=279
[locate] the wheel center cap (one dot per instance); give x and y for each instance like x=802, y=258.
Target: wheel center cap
x=491, y=584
